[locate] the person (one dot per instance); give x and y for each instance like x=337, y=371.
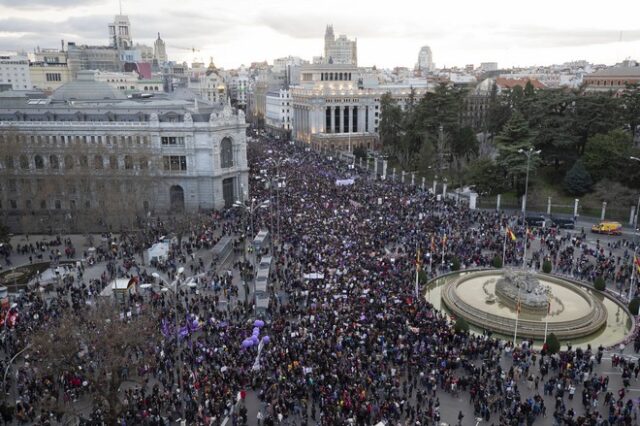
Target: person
x=460, y=417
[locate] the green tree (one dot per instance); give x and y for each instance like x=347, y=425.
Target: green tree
x=577, y=181
x=515, y=136
x=390, y=124
x=630, y=100
x=485, y=176
x=634, y=305
x=496, y=262
x=553, y=344
x=606, y=153
x=461, y=325
x=547, y=267
x=599, y=284
x=592, y=115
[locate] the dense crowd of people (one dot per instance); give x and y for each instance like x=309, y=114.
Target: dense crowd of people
x=353, y=345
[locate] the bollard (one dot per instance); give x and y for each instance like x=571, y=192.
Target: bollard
x=604, y=210
x=498, y=199
x=423, y=183
x=413, y=179
x=549, y=206
x=575, y=209
x=402, y=176
x=435, y=184
x=444, y=190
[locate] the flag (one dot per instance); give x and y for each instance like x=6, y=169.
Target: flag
x=444, y=240
x=637, y=263
x=511, y=235
x=548, y=306
x=418, y=260
x=433, y=244
x=529, y=234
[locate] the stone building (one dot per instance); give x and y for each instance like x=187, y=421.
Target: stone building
x=87, y=156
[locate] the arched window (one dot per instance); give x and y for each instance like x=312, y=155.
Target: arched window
x=24, y=162
x=226, y=153
x=84, y=161
x=128, y=162
x=68, y=162
x=53, y=162
x=98, y=162
x=39, y=162
x=8, y=162
x=113, y=162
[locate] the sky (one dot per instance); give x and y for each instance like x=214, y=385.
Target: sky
x=389, y=33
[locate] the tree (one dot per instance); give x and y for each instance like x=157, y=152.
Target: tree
x=390, y=124
x=360, y=152
x=599, y=283
x=634, y=305
x=577, y=181
x=485, y=176
x=461, y=325
x=553, y=344
x=98, y=339
x=496, y=262
x=547, y=266
x=606, y=153
x=631, y=108
x=515, y=136
x=592, y=115
x=455, y=264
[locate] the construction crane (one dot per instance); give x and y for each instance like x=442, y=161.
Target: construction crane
x=193, y=50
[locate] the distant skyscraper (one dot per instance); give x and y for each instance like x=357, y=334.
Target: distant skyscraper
x=339, y=50
x=120, y=33
x=159, y=50
x=425, y=59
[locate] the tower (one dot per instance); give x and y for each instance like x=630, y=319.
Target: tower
x=329, y=40
x=120, y=33
x=159, y=50
x=425, y=60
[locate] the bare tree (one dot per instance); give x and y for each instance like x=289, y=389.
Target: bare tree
x=99, y=347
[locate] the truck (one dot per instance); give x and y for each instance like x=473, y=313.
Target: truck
x=607, y=228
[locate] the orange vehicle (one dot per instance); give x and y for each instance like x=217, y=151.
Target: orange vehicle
x=608, y=228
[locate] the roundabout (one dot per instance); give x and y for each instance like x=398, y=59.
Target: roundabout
x=498, y=301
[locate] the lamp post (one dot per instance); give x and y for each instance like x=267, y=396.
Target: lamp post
x=528, y=153
x=251, y=209
x=157, y=276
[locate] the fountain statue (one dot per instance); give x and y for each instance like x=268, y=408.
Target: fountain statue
x=523, y=286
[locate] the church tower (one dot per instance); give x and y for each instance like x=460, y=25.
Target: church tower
x=159, y=50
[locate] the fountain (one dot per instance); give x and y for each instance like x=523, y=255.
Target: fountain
x=488, y=300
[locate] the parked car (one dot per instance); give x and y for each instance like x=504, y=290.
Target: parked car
x=563, y=222
x=608, y=228
x=537, y=221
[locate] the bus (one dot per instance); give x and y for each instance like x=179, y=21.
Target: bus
x=261, y=241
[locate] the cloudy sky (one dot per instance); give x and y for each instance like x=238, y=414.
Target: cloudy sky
x=389, y=33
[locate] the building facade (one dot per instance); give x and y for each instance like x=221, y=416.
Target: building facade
x=120, y=33
x=339, y=50
x=612, y=79
x=14, y=73
x=49, y=69
x=333, y=107
x=130, y=82
x=87, y=152
x=425, y=60
x=159, y=51
x=278, y=118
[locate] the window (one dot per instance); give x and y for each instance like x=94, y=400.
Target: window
x=68, y=162
x=128, y=162
x=13, y=204
x=8, y=162
x=84, y=161
x=43, y=204
x=113, y=162
x=72, y=204
x=53, y=162
x=39, y=162
x=226, y=153
x=58, y=204
x=24, y=162
x=12, y=185
x=28, y=205
x=172, y=140
x=53, y=76
x=174, y=163
x=98, y=162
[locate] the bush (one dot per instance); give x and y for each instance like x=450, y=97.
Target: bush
x=497, y=262
x=546, y=266
x=599, y=284
x=553, y=344
x=634, y=305
x=577, y=181
x=455, y=264
x=461, y=326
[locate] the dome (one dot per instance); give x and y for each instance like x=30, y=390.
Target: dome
x=85, y=88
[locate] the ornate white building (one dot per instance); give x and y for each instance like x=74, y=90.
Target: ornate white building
x=159, y=155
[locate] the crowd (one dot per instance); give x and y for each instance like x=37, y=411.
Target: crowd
x=355, y=347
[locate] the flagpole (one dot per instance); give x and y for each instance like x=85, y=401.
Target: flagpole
x=444, y=243
x=633, y=276
x=504, y=245
x=417, y=272
x=526, y=240
x=546, y=319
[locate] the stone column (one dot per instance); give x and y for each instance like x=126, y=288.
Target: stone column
x=413, y=179
x=444, y=191
x=549, y=206
x=604, y=210
x=498, y=198
x=473, y=196
x=341, y=118
x=350, y=112
x=435, y=185
x=423, y=183
x=402, y=177
x=575, y=209
x=333, y=120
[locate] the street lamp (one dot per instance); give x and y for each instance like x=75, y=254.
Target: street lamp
x=529, y=153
